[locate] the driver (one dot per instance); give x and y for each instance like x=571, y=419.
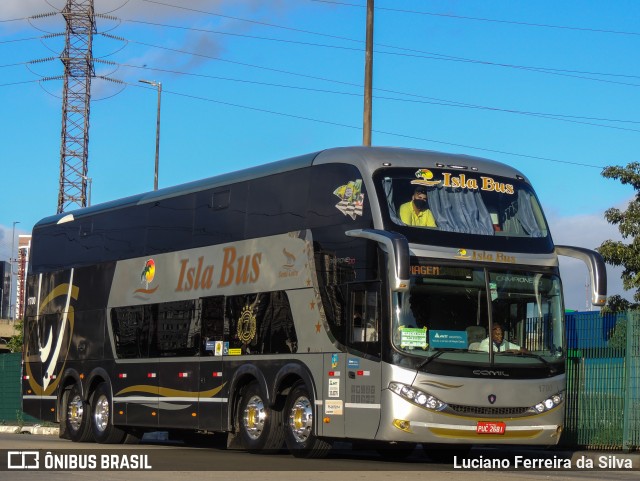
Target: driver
x=498, y=341
x=415, y=212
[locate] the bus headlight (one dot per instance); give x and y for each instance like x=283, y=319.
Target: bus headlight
x=417, y=397
x=548, y=404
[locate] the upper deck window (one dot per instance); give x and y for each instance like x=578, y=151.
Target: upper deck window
x=461, y=201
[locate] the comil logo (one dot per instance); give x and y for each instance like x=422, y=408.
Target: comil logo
x=23, y=460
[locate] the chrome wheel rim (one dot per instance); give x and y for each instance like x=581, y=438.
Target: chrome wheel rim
x=301, y=419
x=101, y=413
x=75, y=412
x=254, y=417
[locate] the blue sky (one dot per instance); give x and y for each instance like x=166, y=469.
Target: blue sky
x=549, y=87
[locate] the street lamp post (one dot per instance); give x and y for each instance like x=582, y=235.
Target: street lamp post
x=158, y=85
x=90, y=182
x=11, y=262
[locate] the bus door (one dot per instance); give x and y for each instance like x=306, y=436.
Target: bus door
x=178, y=340
x=135, y=378
x=212, y=406
x=363, y=370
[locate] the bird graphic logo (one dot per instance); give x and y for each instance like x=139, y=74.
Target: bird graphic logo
x=148, y=273
x=290, y=259
x=423, y=177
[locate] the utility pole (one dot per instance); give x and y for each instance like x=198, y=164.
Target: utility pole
x=11, y=262
x=158, y=86
x=368, y=78
x=77, y=59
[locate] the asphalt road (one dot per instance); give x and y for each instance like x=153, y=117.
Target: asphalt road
x=170, y=458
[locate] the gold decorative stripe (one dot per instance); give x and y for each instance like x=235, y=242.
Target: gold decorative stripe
x=441, y=384
x=60, y=290
x=167, y=392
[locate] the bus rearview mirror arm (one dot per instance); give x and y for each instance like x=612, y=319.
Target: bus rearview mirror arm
x=597, y=270
x=397, y=249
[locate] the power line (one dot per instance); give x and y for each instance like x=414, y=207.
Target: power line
x=338, y=124
x=431, y=100
x=417, y=53
x=481, y=19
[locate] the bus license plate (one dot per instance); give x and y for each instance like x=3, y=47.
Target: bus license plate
x=487, y=427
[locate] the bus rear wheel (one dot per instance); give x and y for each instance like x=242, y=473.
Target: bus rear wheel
x=77, y=415
x=102, y=426
x=260, y=426
x=299, y=433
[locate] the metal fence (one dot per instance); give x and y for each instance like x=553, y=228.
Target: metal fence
x=603, y=381
x=10, y=389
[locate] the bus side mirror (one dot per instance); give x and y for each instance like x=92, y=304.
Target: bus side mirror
x=397, y=248
x=597, y=270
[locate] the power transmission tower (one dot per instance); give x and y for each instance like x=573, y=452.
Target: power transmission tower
x=77, y=59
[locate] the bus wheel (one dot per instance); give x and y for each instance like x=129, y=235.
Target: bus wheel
x=101, y=424
x=77, y=417
x=260, y=426
x=299, y=436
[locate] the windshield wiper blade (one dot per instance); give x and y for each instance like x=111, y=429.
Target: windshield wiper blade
x=440, y=352
x=530, y=355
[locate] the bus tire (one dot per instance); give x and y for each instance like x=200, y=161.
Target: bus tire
x=299, y=434
x=260, y=427
x=77, y=417
x=104, y=432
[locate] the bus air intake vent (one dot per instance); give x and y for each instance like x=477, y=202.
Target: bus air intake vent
x=489, y=411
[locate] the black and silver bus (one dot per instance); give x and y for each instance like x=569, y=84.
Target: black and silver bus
x=296, y=303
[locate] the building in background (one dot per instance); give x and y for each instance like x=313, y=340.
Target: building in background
x=24, y=246
x=5, y=280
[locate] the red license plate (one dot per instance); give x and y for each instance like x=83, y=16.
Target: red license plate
x=488, y=427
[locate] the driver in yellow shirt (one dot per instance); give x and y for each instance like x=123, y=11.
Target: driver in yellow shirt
x=415, y=212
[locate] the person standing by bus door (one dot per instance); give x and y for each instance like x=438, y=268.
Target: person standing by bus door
x=415, y=212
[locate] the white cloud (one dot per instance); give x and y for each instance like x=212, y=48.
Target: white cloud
x=589, y=231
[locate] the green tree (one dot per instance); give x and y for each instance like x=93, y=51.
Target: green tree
x=15, y=343
x=621, y=253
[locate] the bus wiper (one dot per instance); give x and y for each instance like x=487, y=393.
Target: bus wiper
x=530, y=355
x=438, y=354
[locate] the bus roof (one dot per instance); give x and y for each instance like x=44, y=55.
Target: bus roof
x=366, y=159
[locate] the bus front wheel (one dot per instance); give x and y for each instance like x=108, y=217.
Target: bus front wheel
x=299, y=433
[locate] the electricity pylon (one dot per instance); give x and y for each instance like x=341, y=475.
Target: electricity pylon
x=77, y=59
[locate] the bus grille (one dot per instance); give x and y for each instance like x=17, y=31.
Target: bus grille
x=489, y=412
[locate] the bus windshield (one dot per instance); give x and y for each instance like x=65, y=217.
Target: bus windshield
x=463, y=202
x=448, y=309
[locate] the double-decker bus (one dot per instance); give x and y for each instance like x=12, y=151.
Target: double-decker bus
x=298, y=303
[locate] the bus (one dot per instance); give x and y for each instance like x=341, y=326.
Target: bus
x=290, y=306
